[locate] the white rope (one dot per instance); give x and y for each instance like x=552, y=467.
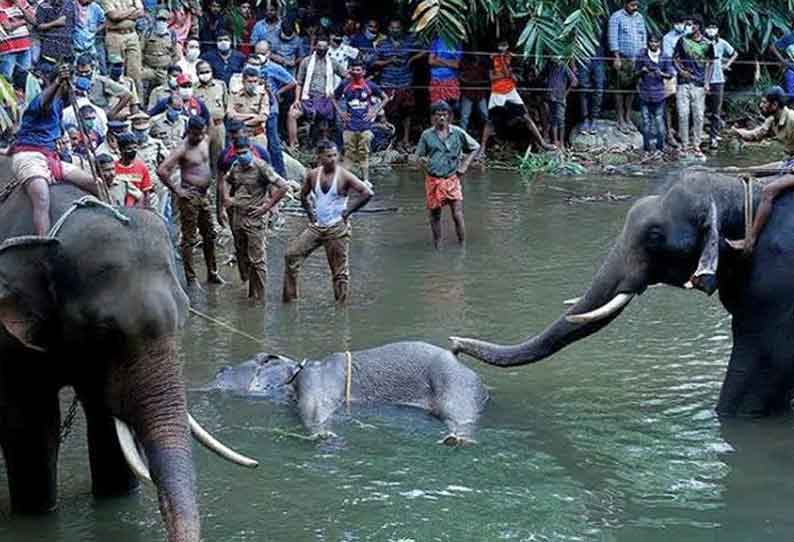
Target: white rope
x=85, y=201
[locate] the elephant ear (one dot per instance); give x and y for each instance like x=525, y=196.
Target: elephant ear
x=27, y=297
x=705, y=276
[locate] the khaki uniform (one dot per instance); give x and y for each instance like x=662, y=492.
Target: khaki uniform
x=779, y=127
x=240, y=104
x=214, y=96
x=108, y=93
x=336, y=240
x=153, y=153
x=250, y=187
x=159, y=52
x=157, y=94
x=174, y=131
x=122, y=39
x=195, y=213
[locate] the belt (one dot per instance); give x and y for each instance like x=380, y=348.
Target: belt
x=121, y=30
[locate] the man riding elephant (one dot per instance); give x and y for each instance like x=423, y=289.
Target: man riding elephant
x=34, y=161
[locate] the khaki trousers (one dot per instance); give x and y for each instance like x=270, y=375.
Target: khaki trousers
x=336, y=240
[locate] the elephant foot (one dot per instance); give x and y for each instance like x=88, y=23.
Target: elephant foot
x=456, y=440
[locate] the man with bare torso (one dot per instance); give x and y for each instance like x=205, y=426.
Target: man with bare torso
x=192, y=157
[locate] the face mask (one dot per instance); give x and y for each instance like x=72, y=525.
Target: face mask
x=711, y=32
x=688, y=29
x=679, y=27
x=186, y=92
x=250, y=89
x=371, y=35
x=116, y=73
x=503, y=49
x=395, y=33
x=89, y=124
x=287, y=37
x=224, y=45
x=245, y=158
x=128, y=154
x=161, y=27
x=192, y=54
x=205, y=77
x=172, y=82
x=172, y=115
x=321, y=53
x=141, y=135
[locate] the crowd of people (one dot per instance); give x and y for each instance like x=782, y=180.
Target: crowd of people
x=162, y=104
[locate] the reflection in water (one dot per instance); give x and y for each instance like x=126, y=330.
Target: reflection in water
x=613, y=439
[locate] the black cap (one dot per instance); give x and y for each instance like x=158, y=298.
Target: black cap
x=776, y=94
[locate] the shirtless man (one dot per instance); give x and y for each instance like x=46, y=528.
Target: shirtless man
x=328, y=212
x=192, y=157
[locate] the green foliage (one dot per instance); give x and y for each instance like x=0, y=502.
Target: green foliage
x=548, y=163
x=572, y=28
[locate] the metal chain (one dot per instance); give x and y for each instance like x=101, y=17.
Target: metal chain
x=68, y=422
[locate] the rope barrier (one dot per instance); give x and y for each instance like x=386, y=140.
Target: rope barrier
x=227, y=326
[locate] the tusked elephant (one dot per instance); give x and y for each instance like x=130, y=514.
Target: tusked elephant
x=678, y=238
x=413, y=373
x=97, y=307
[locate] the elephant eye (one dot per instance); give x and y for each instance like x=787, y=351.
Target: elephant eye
x=655, y=237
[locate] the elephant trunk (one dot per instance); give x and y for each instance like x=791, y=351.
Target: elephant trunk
x=609, y=293
x=154, y=404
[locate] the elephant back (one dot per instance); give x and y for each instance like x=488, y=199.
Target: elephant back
x=16, y=212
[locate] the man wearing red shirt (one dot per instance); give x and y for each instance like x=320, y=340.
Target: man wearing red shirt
x=132, y=171
x=15, y=15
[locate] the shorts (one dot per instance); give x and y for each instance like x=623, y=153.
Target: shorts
x=357, y=145
x=440, y=191
x=318, y=108
x=401, y=102
x=501, y=100
x=28, y=165
x=626, y=77
x=557, y=113
x=445, y=90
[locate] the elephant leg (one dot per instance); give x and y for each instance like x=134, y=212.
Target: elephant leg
x=110, y=474
x=29, y=438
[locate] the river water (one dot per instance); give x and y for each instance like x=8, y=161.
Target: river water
x=613, y=439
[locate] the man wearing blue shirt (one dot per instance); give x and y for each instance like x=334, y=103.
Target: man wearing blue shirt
x=280, y=82
x=224, y=60
x=89, y=19
x=627, y=37
x=268, y=28
x=34, y=160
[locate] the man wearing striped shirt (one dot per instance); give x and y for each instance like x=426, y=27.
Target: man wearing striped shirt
x=15, y=15
x=627, y=37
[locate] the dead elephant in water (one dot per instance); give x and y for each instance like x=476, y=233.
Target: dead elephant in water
x=414, y=374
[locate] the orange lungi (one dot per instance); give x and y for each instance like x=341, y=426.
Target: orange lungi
x=441, y=191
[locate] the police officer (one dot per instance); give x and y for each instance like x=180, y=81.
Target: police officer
x=111, y=145
x=251, y=105
x=164, y=91
x=121, y=37
x=159, y=50
x=215, y=96
x=172, y=122
x=152, y=152
x=109, y=90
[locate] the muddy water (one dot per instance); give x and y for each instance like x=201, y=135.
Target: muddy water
x=614, y=439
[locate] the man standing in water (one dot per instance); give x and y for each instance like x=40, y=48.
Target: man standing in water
x=192, y=157
x=779, y=124
x=328, y=212
x=250, y=179
x=440, y=153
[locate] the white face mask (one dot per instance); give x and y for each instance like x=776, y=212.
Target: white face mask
x=679, y=27
x=186, y=92
x=192, y=54
x=224, y=45
x=688, y=29
x=711, y=32
x=205, y=77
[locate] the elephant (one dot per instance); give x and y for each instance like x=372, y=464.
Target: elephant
x=677, y=238
x=415, y=374
x=96, y=306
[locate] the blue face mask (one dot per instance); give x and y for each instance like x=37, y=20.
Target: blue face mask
x=116, y=72
x=141, y=135
x=172, y=115
x=245, y=158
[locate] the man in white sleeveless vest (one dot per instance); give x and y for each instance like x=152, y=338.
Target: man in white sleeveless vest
x=324, y=196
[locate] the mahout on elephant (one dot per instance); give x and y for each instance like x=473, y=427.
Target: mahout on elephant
x=96, y=306
x=414, y=374
x=678, y=238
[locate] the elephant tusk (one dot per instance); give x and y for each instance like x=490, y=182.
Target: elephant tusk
x=130, y=451
x=572, y=301
x=215, y=446
x=617, y=303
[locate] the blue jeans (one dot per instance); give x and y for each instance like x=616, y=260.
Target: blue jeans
x=592, y=81
x=274, y=144
x=466, y=107
x=788, y=83
x=9, y=61
x=653, y=117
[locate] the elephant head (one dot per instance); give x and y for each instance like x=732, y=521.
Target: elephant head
x=672, y=238
x=268, y=376
x=101, y=306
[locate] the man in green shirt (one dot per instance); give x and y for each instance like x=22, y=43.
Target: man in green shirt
x=440, y=154
x=779, y=125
